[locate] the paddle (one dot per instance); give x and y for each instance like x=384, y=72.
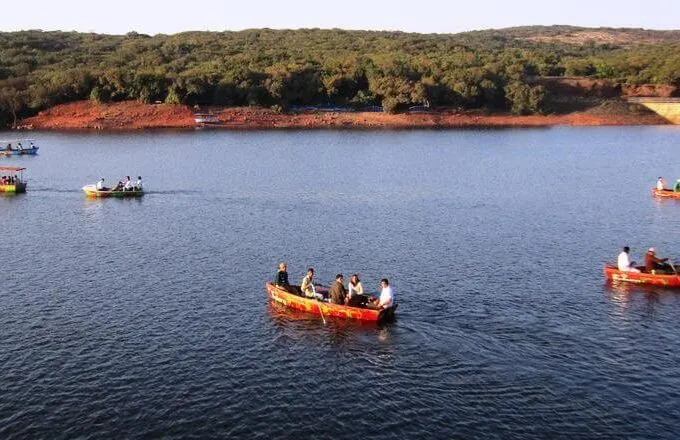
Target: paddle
x=672, y=266
x=321, y=312
x=317, y=304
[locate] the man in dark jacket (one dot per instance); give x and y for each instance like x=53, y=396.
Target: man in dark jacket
x=282, y=276
x=338, y=293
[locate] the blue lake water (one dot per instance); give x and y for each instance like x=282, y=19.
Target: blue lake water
x=148, y=318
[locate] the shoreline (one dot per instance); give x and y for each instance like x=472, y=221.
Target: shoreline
x=132, y=116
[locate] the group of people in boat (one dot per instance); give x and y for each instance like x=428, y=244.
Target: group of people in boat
x=352, y=295
x=19, y=147
x=123, y=185
x=653, y=264
x=9, y=180
x=661, y=185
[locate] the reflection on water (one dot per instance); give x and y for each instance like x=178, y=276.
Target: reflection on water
x=623, y=293
x=637, y=303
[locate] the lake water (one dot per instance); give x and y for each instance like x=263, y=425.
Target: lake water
x=148, y=318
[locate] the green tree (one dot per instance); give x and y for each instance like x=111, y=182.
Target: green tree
x=525, y=99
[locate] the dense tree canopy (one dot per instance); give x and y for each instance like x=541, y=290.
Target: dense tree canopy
x=284, y=68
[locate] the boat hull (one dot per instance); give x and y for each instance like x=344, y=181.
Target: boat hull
x=14, y=188
x=662, y=280
x=665, y=193
x=92, y=191
x=16, y=152
x=316, y=307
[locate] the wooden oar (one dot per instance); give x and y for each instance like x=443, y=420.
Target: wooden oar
x=321, y=311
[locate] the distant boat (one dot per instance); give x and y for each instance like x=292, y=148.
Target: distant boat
x=16, y=147
x=117, y=191
x=206, y=119
x=665, y=193
x=92, y=191
x=16, y=174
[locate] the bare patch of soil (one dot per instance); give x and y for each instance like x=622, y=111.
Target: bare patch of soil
x=134, y=116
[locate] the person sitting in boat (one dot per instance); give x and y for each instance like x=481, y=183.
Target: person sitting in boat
x=119, y=186
x=338, y=293
x=623, y=262
x=100, y=185
x=676, y=188
x=660, y=184
x=4, y=180
x=282, y=276
x=138, y=184
x=127, y=184
x=386, y=299
x=355, y=292
x=654, y=264
x=307, y=286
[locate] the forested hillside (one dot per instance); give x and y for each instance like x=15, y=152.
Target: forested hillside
x=495, y=69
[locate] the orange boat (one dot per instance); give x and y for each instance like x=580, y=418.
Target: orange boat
x=653, y=279
x=665, y=193
x=325, y=309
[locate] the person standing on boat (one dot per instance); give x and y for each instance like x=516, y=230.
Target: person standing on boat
x=138, y=184
x=338, y=293
x=355, y=292
x=282, y=276
x=307, y=286
x=624, y=263
x=660, y=184
x=655, y=264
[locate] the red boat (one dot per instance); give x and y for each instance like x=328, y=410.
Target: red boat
x=665, y=193
x=654, y=279
x=295, y=301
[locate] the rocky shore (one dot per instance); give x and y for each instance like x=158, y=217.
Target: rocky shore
x=86, y=115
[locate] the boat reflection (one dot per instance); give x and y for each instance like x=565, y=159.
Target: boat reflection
x=623, y=293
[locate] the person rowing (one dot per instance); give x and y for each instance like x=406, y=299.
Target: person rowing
x=654, y=264
x=307, y=286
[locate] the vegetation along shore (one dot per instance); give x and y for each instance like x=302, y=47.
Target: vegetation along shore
x=314, y=78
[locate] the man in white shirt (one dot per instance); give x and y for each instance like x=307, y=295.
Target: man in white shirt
x=138, y=184
x=100, y=185
x=624, y=263
x=660, y=184
x=386, y=299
